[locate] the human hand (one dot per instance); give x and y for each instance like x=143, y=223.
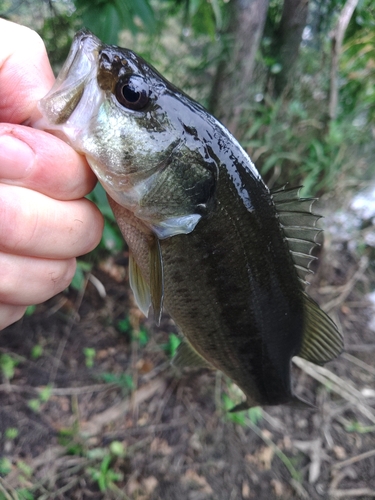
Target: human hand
x=44, y=221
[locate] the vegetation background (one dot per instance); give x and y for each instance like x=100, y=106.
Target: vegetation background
x=89, y=405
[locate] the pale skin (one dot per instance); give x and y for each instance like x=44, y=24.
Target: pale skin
x=45, y=223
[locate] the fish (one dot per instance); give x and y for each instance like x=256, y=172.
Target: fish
x=208, y=241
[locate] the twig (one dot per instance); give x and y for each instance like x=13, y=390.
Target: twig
x=360, y=347
x=98, y=285
x=358, y=362
x=285, y=460
x=343, y=388
x=148, y=429
x=348, y=287
x=353, y=460
x=100, y=420
x=357, y=492
x=57, y=391
x=61, y=490
x=314, y=450
x=4, y=491
x=299, y=489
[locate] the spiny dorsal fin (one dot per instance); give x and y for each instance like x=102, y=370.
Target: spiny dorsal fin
x=321, y=341
x=187, y=356
x=299, y=226
x=138, y=284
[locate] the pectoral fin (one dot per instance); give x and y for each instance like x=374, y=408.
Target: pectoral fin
x=321, y=340
x=139, y=286
x=156, y=279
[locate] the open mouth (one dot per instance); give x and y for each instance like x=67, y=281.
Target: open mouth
x=80, y=66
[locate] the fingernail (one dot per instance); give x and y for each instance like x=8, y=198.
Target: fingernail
x=16, y=158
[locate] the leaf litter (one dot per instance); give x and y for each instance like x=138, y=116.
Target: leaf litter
x=177, y=438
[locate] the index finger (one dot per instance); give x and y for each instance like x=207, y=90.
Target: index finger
x=25, y=72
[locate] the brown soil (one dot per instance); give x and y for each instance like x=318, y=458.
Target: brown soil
x=179, y=443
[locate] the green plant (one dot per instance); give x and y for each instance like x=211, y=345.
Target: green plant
x=355, y=426
x=24, y=494
x=106, y=19
x=30, y=310
x=90, y=354
x=103, y=473
x=26, y=470
x=7, y=365
x=141, y=336
x=171, y=346
x=124, y=325
x=124, y=381
x=44, y=394
x=36, y=351
x=11, y=433
x=5, y=466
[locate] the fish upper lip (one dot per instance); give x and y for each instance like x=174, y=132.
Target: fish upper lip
x=85, y=48
x=79, y=67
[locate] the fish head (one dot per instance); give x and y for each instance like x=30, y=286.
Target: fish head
x=139, y=134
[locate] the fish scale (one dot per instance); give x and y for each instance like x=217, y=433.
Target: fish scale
x=236, y=301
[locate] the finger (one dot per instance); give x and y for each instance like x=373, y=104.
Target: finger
x=25, y=72
x=35, y=225
x=39, y=161
x=28, y=280
x=10, y=314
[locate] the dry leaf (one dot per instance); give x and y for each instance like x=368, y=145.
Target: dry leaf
x=339, y=452
x=160, y=446
x=116, y=272
x=192, y=477
x=265, y=457
x=278, y=487
x=245, y=490
x=149, y=484
x=144, y=366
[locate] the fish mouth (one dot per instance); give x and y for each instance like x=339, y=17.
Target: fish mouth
x=73, y=80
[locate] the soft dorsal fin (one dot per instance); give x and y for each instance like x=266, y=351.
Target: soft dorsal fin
x=299, y=226
x=321, y=341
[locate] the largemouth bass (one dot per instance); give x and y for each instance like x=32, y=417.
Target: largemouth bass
x=207, y=239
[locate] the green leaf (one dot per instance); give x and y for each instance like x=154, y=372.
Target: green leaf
x=117, y=448
x=34, y=405
x=90, y=354
x=11, y=433
x=173, y=342
x=25, y=468
x=30, y=310
x=45, y=393
x=36, y=351
x=7, y=365
x=112, y=239
x=5, y=466
x=24, y=494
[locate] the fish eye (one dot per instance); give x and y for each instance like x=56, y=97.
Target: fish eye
x=133, y=93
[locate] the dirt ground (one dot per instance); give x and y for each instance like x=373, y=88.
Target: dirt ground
x=91, y=408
